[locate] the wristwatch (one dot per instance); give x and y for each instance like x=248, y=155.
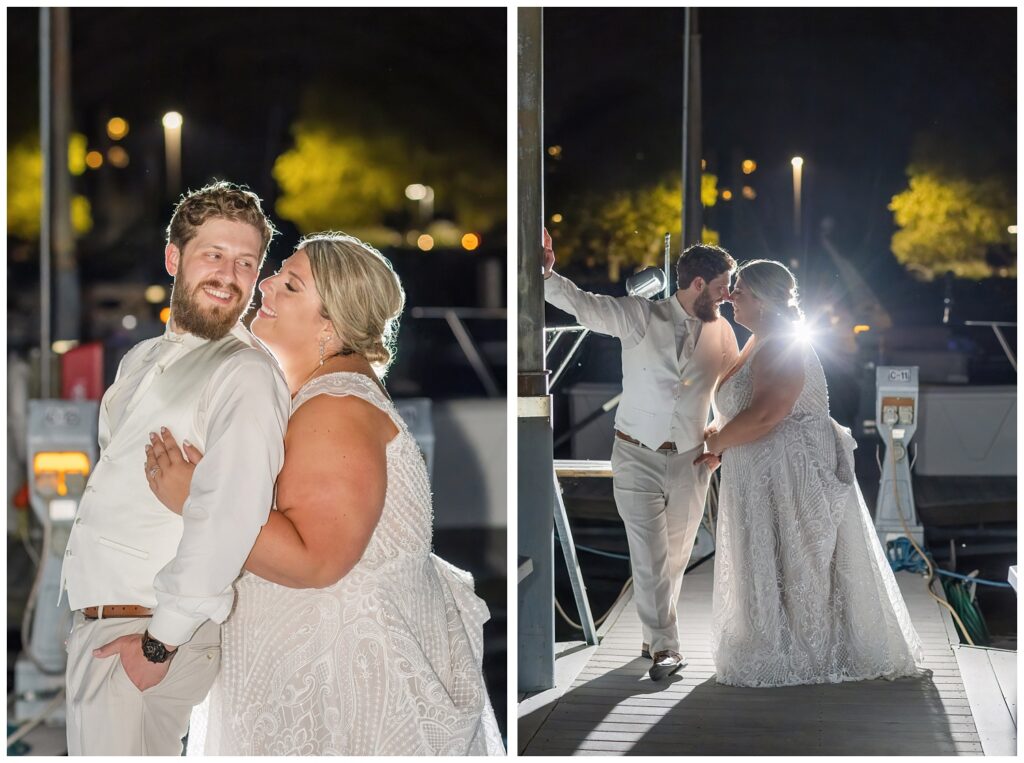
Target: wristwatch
x=155, y=651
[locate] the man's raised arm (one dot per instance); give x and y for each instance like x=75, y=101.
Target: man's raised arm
x=622, y=317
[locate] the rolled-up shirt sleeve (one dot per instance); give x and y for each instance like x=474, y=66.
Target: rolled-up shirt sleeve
x=229, y=500
x=622, y=317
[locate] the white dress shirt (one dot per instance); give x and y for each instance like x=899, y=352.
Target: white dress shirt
x=227, y=397
x=671, y=360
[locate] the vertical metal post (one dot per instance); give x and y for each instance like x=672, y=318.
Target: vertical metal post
x=668, y=265
x=686, y=130
x=67, y=302
x=45, y=340
x=536, y=636
x=691, y=205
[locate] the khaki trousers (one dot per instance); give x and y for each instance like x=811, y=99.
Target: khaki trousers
x=660, y=497
x=107, y=715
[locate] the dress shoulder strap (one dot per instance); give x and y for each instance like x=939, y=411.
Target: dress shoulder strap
x=348, y=383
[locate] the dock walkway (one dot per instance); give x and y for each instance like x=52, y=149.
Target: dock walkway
x=612, y=707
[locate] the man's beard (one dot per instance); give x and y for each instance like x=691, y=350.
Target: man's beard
x=704, y=307
x=213, y=322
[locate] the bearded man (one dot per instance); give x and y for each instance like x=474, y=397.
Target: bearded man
x=674, y=351
x=149, y=588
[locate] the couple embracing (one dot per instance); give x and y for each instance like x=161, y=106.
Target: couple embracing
x=803, y=592
x=277, y=454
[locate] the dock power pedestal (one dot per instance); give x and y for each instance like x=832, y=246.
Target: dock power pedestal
x=62, y=451
x=896, y=414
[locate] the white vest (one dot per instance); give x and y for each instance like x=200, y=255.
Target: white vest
x=664, y=398
x=123, y=536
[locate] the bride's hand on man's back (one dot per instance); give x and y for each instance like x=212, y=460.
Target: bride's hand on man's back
x=168, y=472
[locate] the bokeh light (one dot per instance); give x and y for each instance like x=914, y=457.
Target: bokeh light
x=117, y=128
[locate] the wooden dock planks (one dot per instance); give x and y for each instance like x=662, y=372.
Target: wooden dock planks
x=613, y=708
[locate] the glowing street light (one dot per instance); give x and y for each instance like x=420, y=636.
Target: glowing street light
x=172, y=144
x=423, y=194
x=798, y=166
x=173, y=120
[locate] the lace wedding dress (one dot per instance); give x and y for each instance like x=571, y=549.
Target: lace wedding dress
x=387, y=661
x=803, y=592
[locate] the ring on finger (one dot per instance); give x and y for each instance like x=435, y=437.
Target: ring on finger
x=153, y=471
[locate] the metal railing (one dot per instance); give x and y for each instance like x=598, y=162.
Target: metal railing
x=994, y=325
x=454, y=317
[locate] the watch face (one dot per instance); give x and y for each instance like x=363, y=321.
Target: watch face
x=153, y=650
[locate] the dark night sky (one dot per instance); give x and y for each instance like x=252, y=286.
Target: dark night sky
x=847, y=89
x=238, y=75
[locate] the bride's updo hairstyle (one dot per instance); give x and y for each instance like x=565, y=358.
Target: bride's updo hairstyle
x=774, y=285
x=361, y=294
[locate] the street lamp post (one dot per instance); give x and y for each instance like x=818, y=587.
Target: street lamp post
x=172, y=145
x=798, y=165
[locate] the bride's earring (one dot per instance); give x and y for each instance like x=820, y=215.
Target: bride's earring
x=322, y=343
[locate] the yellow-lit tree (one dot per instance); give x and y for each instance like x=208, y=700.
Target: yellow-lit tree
x=348, y=175
x=627, y=227
x=25, y=189
x=956, y=210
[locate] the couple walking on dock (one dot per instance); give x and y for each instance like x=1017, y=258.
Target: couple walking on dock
x=803, y=592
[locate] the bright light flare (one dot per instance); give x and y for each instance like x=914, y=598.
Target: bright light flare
x=803, y=332
x=416, y=192
x=797, y=161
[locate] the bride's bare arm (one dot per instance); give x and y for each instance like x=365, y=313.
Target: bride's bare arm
x=778, y=377
x=330, y=493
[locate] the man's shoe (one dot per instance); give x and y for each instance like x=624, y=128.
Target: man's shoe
x=645, y=651
x=665, y=664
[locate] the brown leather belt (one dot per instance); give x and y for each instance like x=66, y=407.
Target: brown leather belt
x=116, y=610
x=669, y=446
